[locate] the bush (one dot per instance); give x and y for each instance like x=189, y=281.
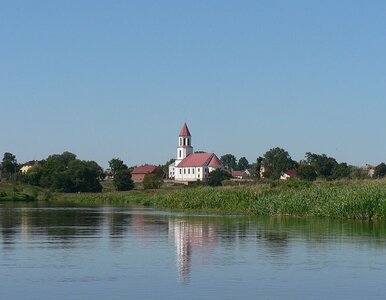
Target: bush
x=152, y=181
x=216, y=177
x=122, y=180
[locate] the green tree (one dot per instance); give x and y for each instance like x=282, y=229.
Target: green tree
x=85, y=175
x=122, y=180
x=9, y=165
x=165, y=167
x=216, y=177
x=152, y=181
x=380, y=170
x=358, y=173
x=306, y=172
x=243, y=163
x=116, y=164
x=323, y=164
x=340, y=171
x=229, y=161
x=275, y=161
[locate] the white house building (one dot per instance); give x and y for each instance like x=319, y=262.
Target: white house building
x=191, y=166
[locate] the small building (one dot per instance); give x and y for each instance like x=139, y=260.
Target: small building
x=288, y=174
x=28, y=165
x=138, y=174
x=238, y=174
x=250, y=172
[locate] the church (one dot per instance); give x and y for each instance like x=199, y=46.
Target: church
x=191, y=166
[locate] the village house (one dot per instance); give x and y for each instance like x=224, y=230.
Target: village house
x=238, y=174
x=191, y=166
x=138, y=174
x=28, y=165
x=288, y=174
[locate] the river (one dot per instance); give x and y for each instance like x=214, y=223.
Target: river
x=58, y=251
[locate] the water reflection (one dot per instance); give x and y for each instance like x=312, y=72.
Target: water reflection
x=190, y=235
x=197, y=241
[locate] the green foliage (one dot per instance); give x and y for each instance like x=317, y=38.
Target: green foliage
x=165, y=167
x=17, y=196
x=358, y=173
x=243, y=164
x=323, y=164
x=275, y=161
x=116, y=164
x=380, y=170
x=64, y=173
x=229, y=161
x=122, y=180
x=216, y=177
x=306, y=172
x=152, y=181
x=355, y=200
x=9, y=165
x=340, y=171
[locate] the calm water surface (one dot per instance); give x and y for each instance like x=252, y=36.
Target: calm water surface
x=67, y=252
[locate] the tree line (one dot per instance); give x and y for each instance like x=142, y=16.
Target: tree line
x=277, y=160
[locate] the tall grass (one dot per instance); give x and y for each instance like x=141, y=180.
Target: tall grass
x=357, y=200
x=351, y=199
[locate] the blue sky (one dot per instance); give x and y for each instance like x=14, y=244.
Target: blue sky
x=116, y=78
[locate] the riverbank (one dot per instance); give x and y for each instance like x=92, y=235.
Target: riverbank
x=344, y=199
x=349, y=199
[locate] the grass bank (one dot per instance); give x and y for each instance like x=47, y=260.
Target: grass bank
x=350, y=199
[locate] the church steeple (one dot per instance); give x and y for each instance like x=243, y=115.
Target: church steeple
x=184, y=144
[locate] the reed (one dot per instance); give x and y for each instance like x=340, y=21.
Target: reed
x=356, y=200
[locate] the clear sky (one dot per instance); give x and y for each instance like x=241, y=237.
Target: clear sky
x=114, y=78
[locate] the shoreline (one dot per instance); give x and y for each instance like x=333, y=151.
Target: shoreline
x=358, y=200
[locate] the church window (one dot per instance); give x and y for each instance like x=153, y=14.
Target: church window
x=193, y=170
x=180, y=171
x=180, y=154
x=184, y=171
x=189, y=171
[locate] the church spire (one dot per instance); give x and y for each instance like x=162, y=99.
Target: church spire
x=185, y=131
x=184, y=144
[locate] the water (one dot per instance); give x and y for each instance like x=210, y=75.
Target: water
x=64, y=252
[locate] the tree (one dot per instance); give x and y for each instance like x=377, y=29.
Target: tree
x=85, y=175
x=216, y=177
x=9, y=165
x=152, y=181
x=275, y=161
x=229, y=161
x=380, y=170
x=323, y=164
x=65, y=173
x=116, y=164
x=165, y=167
x=358, y=173
x=122, y=180
x=306, y=172
x=340, y=171
x=243, y=164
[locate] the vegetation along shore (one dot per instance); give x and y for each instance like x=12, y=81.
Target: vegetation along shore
x=353, y=200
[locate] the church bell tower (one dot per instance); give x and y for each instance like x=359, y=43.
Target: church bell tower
x=184, y=144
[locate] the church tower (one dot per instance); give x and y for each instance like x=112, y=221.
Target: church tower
x=184, y=144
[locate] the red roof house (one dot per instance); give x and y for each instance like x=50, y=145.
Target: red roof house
x=139, y=172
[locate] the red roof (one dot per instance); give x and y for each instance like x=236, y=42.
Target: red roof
x=185, y=130
x=144, y=169
x=237, y=173
x=291, y=172
x=215, y=162
x=200, y=160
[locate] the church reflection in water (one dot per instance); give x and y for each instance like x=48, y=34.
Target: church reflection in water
x=191, y=236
